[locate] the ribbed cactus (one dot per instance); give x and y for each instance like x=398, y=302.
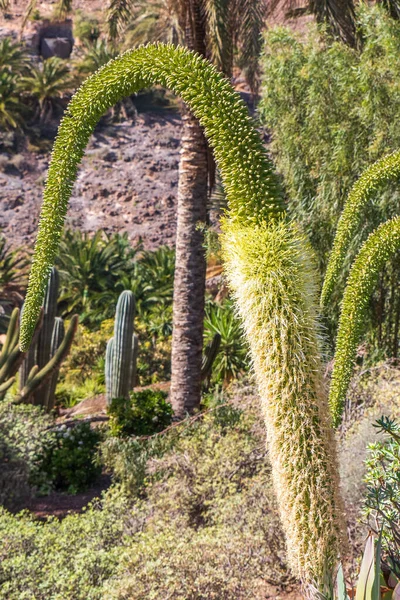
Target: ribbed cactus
x=40, y=353
x=120, y=368
x=40, y=378
x=56, y=341
x=11, y=358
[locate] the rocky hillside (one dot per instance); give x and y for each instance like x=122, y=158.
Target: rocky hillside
x=127, y=182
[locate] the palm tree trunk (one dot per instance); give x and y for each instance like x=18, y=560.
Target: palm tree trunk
x=190, y=263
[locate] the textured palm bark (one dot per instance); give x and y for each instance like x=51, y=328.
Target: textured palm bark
x=190, y=270
x=190, y=262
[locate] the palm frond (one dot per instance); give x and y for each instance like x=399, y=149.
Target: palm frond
x=250, y=16
x=119, y=13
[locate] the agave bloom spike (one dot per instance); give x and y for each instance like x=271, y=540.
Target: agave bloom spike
x=270, y=272
x=375, y=251
x=384, y=170
x=251, y=186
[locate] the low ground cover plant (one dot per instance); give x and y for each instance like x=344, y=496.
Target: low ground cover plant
x=144, y=413
x=67, y=461
x=202, y=523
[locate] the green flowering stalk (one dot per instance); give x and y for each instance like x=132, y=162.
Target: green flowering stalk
x=377, y=249
x=384, y=170
x=273, y=279
x=250, y=184
x=270, y=272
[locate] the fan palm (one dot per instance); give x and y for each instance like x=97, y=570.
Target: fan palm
x=11, y=107
x=47, y=82
x=93, y=56
x=89, y=267
x=12, y=57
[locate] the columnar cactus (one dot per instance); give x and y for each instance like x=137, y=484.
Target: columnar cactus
x=39, y=378
x=120, y=367
x=10, y=357
x=40, y=353
x=270, y=272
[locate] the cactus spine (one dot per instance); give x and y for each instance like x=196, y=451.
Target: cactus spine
x=120, y=369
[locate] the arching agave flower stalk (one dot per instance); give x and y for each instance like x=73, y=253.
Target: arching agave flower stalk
x=375, y=251
x=270, y=272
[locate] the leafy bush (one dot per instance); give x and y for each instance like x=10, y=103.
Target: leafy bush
x=68, y=459
x=62, y=559
x=382, y=501
x=332, y=112
x=214, y=532
x=231, y=360
x=207, y=526
x=22, y=437
x=145, y=413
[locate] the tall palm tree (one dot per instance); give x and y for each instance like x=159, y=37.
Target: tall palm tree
x=216, y=29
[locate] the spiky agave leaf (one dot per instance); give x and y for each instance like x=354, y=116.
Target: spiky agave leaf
x=384, y=170
x=251, y=186
x=273, y=280
x=376, y=250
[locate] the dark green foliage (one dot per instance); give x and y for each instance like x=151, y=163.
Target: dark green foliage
x=333, y=112
x=231, y=359
x=382, y=500
x=145, y=412
x=95, y=54
x=13, y=64
x=207, y=523
x=22, y=437
x=90, y=267
x=68, y=461
x=46, y=83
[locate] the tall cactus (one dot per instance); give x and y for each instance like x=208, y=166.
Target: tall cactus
x=10, y=356
x=48, y=341
x=121, y=350
x=56, y=341
x=40, y=378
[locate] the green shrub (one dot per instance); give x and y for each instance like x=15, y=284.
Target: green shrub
x=68, y=461
x=207, y=526
x=22, y=437
x=145, y=413
x=62, y=560
x=231, y=360
x=382, y=500
x=332, y=112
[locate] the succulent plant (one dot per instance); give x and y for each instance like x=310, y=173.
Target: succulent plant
x=121, y=353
